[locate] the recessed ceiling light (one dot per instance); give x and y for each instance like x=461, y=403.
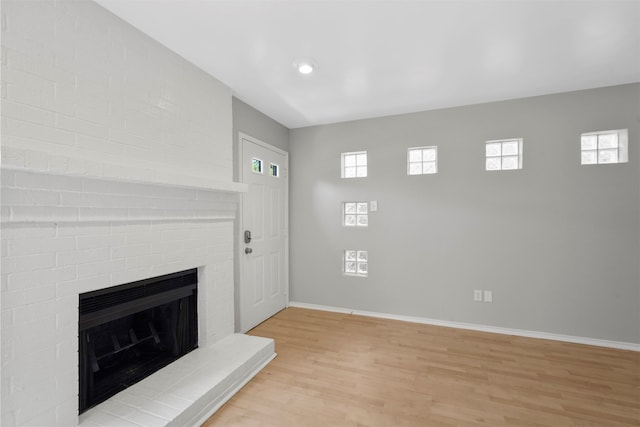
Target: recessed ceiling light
x=304, y=66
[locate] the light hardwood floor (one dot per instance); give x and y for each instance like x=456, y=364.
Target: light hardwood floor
x=343, y=370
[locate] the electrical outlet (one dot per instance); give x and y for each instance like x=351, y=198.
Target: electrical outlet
x=477, y=295
x=488, y=296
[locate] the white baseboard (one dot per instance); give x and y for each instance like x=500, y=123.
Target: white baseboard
x=483, y=328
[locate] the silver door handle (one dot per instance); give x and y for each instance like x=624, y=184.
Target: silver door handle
x=248, y=250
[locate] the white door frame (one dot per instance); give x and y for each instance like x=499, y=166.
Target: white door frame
x=240, y=233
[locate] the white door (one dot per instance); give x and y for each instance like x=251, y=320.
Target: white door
x=264, y=232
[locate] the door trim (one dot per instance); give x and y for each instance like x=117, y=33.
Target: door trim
x=239, y=234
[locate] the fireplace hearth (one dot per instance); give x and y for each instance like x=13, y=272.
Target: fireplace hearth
x=128, y=332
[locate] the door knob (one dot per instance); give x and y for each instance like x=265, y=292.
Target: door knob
x=248, y=250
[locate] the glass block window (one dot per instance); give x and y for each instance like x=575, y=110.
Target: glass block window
x=604, y=147
x=504, y=154
x=274, y=170
x=256, y=165
x=355, y=263
x=354, y=165
x=355, y=214
x=422, y=160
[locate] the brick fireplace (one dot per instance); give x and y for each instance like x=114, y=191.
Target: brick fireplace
x=65, y=235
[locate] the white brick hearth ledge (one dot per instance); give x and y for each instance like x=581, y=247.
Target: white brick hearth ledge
x=188, y=391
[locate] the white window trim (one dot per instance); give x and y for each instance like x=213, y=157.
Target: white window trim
x=344, y=263
x=353, y=153
x=520, y=142
x=356, y=214
x=623, y=146
x=422, y=162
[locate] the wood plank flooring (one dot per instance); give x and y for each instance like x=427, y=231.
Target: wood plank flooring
x=342, y=370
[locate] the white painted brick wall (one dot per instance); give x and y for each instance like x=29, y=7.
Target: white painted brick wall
x=85, y=93
x=47, y=262
x=94, y=113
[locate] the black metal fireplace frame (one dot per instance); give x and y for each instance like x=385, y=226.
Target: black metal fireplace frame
x=99, y=307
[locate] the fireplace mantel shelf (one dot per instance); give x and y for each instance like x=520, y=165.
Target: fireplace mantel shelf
x=191, y=183
x=31, y=197
x=54, y=220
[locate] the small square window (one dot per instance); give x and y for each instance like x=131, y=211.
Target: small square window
x=504, y=154
x=354, y=165
x=256, y=165
x=274, y=170
x=603, y=147
x=422, y=160
x=356, y=263
x=355, y=214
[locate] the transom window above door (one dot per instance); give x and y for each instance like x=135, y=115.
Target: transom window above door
x=256, y=165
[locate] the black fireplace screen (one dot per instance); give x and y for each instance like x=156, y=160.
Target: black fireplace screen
x=128, y=332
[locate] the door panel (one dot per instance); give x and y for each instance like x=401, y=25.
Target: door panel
x=257, y=267
x=255, y=212
x=275, y=207
x=275, y=274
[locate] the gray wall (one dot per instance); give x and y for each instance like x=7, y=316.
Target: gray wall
x=558, y=243
x=252, y=122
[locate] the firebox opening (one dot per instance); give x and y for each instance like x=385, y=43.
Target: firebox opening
x=128, y=332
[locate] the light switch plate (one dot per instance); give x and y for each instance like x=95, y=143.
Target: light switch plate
x=488, y=296
x=373, y=206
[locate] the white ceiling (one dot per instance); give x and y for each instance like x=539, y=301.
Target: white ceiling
x=379, y=58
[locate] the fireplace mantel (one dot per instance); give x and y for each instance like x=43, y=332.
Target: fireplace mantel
x=186, y=182
x=33, y=196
